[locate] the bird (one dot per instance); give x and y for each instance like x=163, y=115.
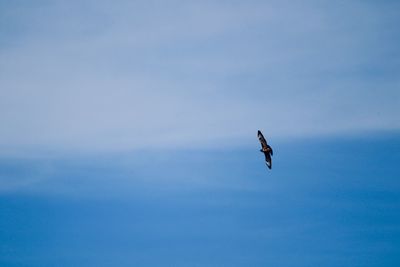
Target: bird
x=266, y=149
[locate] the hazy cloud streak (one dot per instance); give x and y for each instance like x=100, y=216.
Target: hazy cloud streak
x=98, y=75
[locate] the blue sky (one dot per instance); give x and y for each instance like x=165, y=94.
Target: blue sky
x=128, y=133
x=325, y=202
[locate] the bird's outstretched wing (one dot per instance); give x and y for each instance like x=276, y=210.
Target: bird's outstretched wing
x=268, y=160
x=266, y=149
x=263, y=142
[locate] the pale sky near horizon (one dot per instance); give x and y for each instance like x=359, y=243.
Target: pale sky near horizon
x=112, y=76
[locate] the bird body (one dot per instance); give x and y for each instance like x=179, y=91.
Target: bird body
x=266, y=149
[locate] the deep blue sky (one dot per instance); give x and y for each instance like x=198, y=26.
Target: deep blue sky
x=329, y=202
x=128, y=133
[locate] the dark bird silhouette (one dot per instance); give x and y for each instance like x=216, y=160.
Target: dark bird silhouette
x=266, y=149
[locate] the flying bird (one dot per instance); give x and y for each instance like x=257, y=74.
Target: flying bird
x=266, y=149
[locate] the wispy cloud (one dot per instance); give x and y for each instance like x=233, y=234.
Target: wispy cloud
x=100, y=75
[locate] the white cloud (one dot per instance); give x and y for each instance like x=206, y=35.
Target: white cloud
x=97, y=75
